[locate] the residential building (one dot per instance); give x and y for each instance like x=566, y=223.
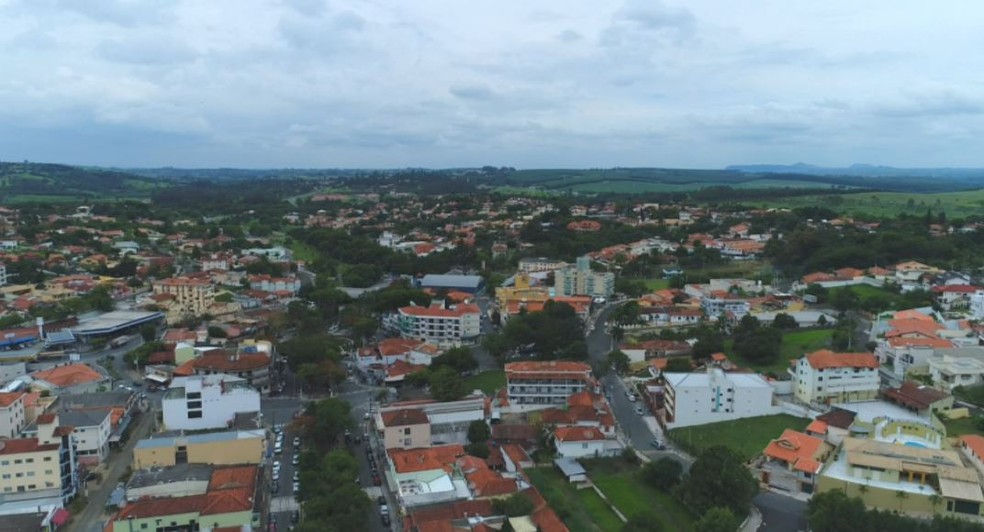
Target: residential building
x=581, y=280
x=950, y=371
x=972, y=447
x=900, y=355
x=218, y=448
x=448, y=420
x=207, y=402
x=3, y=274
x=930, y=481
x=405, y=429
x=792, y=461
x=535, y=385
x=191, y=295
x=122, y=406
x=699, y=398
x=426, y=476
x=248, y=363
x=42, y=467
x=731, y=307
x=540, y=264
x=825, y=377
x=12, y=416
x=274, y=284
x=70, y=379
x=91, y=429
x=172, y=481
x=919, y=398
x=578, y=442
x=233, y=499
x=443, y=326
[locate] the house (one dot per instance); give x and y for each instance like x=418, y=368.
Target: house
x=165, y=449
x=954, y=296
x=902, y=354
x=386, y=352
x=42, y=469
x=536, y=385
x=643, y=351
x=825, y=377
x=207, y=402
x=448, y=420
x=122, y=406
x=405, y=428
x=12, y=415
x=250, y=363
x=699, y=398
x=972, y=446
x=70, y=379
x=91, y=429
x=950, y=371
x=576, y=442
x=427, y=475
x=919, y=398
x=792, y=461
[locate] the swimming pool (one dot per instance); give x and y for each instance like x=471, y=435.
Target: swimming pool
x=911, y=443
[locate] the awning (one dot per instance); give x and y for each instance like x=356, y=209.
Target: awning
x=60, y=517
x=156, y=378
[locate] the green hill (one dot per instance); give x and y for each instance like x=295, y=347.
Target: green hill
x=28, y=181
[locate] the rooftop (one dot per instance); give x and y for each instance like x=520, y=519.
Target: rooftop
x=166, y=475
x=914, y=395
x=404, y=417
x=69, y=375
x=426, y=459
x=170, y=439
x=827, y=359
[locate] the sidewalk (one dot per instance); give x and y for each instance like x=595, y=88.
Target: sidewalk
x=753, y=522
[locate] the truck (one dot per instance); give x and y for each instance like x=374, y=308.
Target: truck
x=120, y=341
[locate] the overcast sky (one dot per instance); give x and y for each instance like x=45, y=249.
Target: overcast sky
x=530, y=83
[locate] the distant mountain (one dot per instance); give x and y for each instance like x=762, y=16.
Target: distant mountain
x=44, y=179
x=863, y=170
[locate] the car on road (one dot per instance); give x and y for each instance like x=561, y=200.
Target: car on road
x=297, y=487
x=381, y=501
x=276, y=475
x=658, y=445
x=297, y=475
x=640, y=411
x=296, y=459
x=295, y=516
x=385, y=518
x=375, y=480
x=297, y=441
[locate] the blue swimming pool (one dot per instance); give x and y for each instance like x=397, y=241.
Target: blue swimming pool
x=915, y=444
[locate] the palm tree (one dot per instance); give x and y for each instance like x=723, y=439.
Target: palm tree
x=901, y=496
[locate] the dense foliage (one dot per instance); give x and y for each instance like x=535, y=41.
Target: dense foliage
x=834, y=511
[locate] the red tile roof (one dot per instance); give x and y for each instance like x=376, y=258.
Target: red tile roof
x=70, y=375
x=799, y=450
x=25, y=445
x=9, y=398
x=413, y=460
x=826, y=359
x=404, y=417
x=436, y=312
x=817, y=427
x=550, y=366
x=566, y=434
x=914, y=395
x=975, y=443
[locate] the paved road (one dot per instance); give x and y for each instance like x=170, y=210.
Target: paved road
x=781, y=513
x=92, y=517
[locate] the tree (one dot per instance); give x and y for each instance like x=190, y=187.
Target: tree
x=495, y=344
x=216, y=332
x=708, y=344
x=326, y=421
x=459, y=359
x=446, y=385
x=618, y=360
x=717, y=520
x=784, y=321
x=834, y=511
x=644, y=521
x=761, y=346
x=148, y=332
x=515, y=505
x=479, y=432
x=718, y=478
x=626, y=314
x=663, y=474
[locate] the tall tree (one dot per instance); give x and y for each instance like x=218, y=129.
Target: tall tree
x=718, y=478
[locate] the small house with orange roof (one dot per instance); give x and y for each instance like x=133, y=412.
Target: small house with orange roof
x=792, y=461
x=427, y=475
x=826, y=377
x=70, y=379
x=578, y=441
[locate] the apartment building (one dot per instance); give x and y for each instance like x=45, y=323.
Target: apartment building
x=717, y=305
x=248, y=363
x=540, y=264
x=12, y=416
x=42, y=468
x=405, y=429
x=436, y=324
x=191, y=295
x=581, y=280
x=448, y=421
x=218, y=448
x=535, y=385
x=825, y=377
x=207, y=402
x=91, y=429
x=699, y=398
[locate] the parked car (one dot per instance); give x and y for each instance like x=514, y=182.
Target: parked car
x=375, y=480
x=295, y=516
x=640, y=411
x=658, y=445
x=381, y=501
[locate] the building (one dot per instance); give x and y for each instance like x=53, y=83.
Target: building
x=919, y=398
x=275, y=284
x=405, y=429
x=535, y=385
x=191, y=295
x=173, y=481
x=218, y=448
x=949, y=371
x=581, y=280
x=825, y=377
x=207, y=402
x=471, y=284
x=70, y=379
x=700, y=398
x=250, y=363
x=3, y=274
x=731, y=307
x=448, y=421
x=522, y=290
x=233, y=499
x=427, y=476
x=578, y=442
x=41, y=468
x=792, y=461
x=540, y=264
x=12, y=416
x=92, y=430
x=436, y=324
x=122, y=406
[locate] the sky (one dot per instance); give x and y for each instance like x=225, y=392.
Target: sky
x=528, y=84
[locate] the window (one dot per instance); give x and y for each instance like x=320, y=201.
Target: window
x=47, y=458
x=30, y=473
x=29, y=461
x=197, y=414
x=406, y=431
x=407, y=441
x=19, y=475
x=194, y=395
x=584, y=445
x=48, y=471
x=194, y=404
x=6, y=476
x=5, y=462
x=18, y=461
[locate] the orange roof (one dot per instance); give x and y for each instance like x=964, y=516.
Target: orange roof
x=911, y=314
x=402, y=367
x=548, y=366
x=659, y=363
x=578, y=434
x=936, y=343
x=794, y=447
x=826, y=359
x=403, y=417
x=719, y=357
x=975, y=443
x=900, y=327
x=437, y=312
x=413, y=460
x=185, y=370
x=9, y=398
x=818, y=427
x=25, y=445
x=517, y=454
x=70, y=375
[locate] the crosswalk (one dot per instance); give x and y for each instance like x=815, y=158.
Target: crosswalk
x=283, y=504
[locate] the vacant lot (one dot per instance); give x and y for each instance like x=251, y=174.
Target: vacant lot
x=579, y=509
x=746, y=436
x=487, y=381
x=794, y=345
x=620, y=482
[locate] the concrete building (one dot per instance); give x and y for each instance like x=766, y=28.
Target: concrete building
x=39, y=468
x=578, y=442
x=92, y=430
x=732, y=307
x=950, y=371
x=250, y=363
x=70, y=379
x=448, y=421
x=426, y=476
x=436, y=324
x=218, y=448
x=825, y=377
x=535, y=385
x=540, y=264
x=12, y=416
x=405, y=429
x=581, y=280
x=192, y=295
x=700, y=398
x=173, y=481
x=207, y=402
x=471, y=284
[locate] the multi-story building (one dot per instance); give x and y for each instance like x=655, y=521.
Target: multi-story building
x=581, y=280
x=40, y=468
x=12, y=418
x=274, y=284
x=535, y=385
x=191, y=295
x=949, y=371
x=825, y=377
x=207, y=402
x=717, y=305
x=700, y=398
x=249, y=363
x=406, y=428
x=3, y=274
x=92, y=429
x=448, y=421
x=218, y=448
x=443, y=326
x=540, y=264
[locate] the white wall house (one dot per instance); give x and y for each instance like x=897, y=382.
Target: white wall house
x=699, y=398
x=12, y=419
x=949, y=371
x=92, y=429
x=449, y=420
x=825, y=377
x=577, y=442
x=207, y=402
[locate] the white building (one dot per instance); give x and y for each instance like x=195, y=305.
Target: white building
x=449, y=420
x=950, y=371
x=903, y=354
x=716, y=306
x=825, y=377
x=439, y=325
x=540, y=264
x=3, y=274
x=535, y=385
x=11, y=414
x=92, y=429
x=581, y=280
x=207, y=402
x=700, y=398
x=577, y=442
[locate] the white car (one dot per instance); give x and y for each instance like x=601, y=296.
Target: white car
x=276, y=476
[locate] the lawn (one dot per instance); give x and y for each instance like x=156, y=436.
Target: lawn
x=620, y=482
x=303, y=252
x=746, y=436
x=579, y=509
x=487, y=381
x=794, y=345
x=959, y=427
x=656, y=283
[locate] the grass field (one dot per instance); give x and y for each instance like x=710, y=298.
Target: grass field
x=487, y=381
x=746, y=436
x=303, y=251
x=794, y=345
x=959, y=427
x=620, y=482
x=581, y=510
x=657, y=284
x=878, y=204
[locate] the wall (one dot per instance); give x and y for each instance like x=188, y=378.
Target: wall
x=38, y=467
x=226, y=452
x=419, y=436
